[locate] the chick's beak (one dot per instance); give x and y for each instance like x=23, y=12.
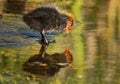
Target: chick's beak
x=69, y=25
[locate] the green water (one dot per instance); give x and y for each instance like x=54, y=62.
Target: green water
x=93, y=43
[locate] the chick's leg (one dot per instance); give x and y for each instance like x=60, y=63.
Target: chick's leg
x=44, y=39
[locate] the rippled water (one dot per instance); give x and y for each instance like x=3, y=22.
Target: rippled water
x=88, y=55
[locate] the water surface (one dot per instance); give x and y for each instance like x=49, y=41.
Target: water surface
x=93, y=48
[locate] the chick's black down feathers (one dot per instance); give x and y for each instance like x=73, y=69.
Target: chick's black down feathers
x=45, y=18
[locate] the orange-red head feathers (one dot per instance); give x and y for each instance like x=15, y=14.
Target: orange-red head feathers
x=69, y=23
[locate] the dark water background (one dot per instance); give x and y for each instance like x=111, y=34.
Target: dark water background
x=94, y=45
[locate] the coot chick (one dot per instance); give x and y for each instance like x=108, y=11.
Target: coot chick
x=47, y=19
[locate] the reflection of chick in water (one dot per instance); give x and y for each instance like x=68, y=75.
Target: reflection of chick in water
x=49, y=64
